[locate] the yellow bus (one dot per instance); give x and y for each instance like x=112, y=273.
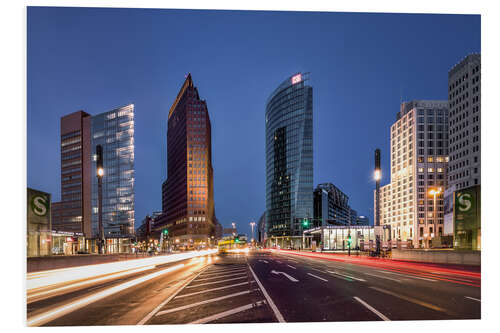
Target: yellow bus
x=231, y=245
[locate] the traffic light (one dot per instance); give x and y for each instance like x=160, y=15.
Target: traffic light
x=236, y=239
x=305, y=223
x=349, y=241
x=165, y=231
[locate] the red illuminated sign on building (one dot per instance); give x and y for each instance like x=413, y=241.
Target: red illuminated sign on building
x=296, y=78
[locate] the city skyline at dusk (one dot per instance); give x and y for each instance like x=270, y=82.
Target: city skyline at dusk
x=362, y=66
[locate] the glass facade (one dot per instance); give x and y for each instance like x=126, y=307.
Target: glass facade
x=114, y=131
x=289, y=156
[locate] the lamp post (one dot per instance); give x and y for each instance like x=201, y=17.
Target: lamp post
x=434, y=193
x=377, y=176
x=252, y=224
x=234, y=228
x=100, y=174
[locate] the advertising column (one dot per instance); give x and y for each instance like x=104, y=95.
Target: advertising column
x=38, y=224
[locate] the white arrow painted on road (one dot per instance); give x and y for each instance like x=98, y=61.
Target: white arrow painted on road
x=291, y=278
x=267, y=262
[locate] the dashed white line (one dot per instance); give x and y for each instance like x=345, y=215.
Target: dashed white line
x=317, y=277
x=409, y=276
x=277, y=313
x=472, y=298
x=347, y=276
x=383, y=277
x=372, y=309
x=228, y=313
x=291, y=266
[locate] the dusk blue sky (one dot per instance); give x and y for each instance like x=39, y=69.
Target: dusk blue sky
x=361, y=66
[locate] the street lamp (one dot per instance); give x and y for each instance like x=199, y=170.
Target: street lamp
x=100, y=174
x=234, y=227
x=435, y=193
x=252, y=224
x=377, y=175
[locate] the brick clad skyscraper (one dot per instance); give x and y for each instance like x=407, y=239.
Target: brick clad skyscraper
x=188, y=195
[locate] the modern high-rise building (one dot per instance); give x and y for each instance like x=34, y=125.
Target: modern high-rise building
x=464, y=98
x=114, y=131
x=289, y=159
x=331, y=206
x=188, y=191
x=412, y=204
x=72, y=213
x=77, y=211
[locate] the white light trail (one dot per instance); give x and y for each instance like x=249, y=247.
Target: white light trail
x=67, y=308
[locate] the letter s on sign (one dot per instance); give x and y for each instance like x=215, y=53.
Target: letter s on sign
x=39, y=206
x=464, y=202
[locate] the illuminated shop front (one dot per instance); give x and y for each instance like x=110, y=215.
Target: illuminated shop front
x=67, y=243
x=337, y=238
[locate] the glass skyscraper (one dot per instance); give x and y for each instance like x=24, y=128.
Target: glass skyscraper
x=289, y=160
x=114, y=130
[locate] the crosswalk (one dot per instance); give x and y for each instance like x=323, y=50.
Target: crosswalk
x=221, y=293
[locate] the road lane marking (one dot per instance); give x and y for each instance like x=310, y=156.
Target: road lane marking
x=222, y=273
x=215, y=282
x=277, y=312
x=383, y=277
x=372, y=309
x=228, y=313
x=162, y=304
x=347, y=276
x=317, y=277
x=408, y=276
x=291, y=266
x=319, y=270
x=265, y=261
x=411, y=299
x=291, y=278
x=77, y=304
x=213, y=289
x=202, y=302
x=279, y=262
x=218, y=277
x=472, y=298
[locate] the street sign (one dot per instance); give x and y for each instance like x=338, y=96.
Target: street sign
x=38, y=207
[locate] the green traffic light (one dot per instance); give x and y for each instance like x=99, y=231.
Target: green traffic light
x=165, y=231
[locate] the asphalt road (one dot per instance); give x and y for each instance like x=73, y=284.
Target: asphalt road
x=261, y=286
x=337, y=288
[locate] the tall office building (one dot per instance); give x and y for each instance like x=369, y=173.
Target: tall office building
x=188, y=191
x=331, y=206
x=114, y=131
x=289, y=159
x=72, y=213
x=464, y=98
x=419, y=158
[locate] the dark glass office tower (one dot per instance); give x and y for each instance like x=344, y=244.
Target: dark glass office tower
x=289, y=160
x=188, y=191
